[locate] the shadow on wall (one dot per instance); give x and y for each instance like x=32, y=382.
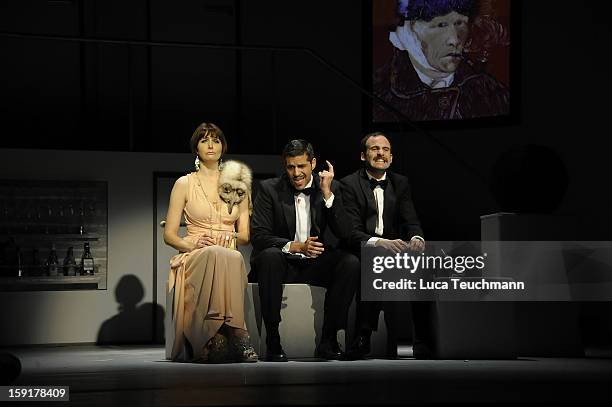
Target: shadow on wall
x=134, y=323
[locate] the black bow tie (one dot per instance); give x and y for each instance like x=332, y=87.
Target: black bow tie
x=375, y=183
x=305, y=191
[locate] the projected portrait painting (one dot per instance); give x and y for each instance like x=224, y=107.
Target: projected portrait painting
x=440, y=60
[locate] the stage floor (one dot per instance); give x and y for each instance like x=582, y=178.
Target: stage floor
x=140, y=376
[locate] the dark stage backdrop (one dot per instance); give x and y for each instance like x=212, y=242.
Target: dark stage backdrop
x=61, y=95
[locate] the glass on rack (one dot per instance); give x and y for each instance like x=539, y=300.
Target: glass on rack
x=19, y=263
x=82, y=218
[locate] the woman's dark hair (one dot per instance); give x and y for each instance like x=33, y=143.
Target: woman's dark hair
x=206, y=129
x=298, y=147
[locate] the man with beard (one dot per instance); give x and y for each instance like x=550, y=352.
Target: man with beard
x=290, y=217
x=379, y=204
x=430, y=76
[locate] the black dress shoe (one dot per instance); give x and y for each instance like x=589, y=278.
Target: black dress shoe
x=359, y=348
x=330, y=350
x=274, y=350
x=391, y=350
x=276, y=357
x=390, y=354
x=420, y=350
x=275, y=354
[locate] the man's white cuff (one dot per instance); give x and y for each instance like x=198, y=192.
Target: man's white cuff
x=372, y=241
x=329, y=202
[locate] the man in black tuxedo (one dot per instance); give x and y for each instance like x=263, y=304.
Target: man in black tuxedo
x=379, y=204
x=290, y=217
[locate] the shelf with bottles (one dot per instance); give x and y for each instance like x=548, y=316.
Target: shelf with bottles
x=41, y=218
x=49, y=228
x=43, y=271
x=36, y=279
x=32, y=262
x=46, y=283
x=55, y=236
x=24, y=216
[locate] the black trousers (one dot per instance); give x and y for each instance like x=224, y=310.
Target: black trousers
x=368, y=311
x=336, y=270
x=422, y=319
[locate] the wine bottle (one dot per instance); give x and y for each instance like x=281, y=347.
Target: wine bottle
x=52, y=263
x=70, y=265
x=87, y=261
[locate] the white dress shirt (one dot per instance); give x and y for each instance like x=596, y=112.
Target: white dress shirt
x=379, y=198
x=302, y=217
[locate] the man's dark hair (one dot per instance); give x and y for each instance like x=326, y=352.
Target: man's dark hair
x=298, y=147
x=364, y=140
x=429, y=9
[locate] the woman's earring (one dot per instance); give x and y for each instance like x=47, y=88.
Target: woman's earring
x=197, y=163
x=220, y=164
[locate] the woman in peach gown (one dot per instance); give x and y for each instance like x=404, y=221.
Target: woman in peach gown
x=208, y=278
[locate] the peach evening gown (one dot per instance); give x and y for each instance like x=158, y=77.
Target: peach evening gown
x=206, y=286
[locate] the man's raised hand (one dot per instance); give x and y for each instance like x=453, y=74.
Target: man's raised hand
x=326, y=177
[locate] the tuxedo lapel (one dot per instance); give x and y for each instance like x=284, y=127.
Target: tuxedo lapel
x=371, y=214
x=316, y=200
x=390, y=205
x=288, y=205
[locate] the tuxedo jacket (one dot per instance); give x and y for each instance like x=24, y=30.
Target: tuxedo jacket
x=399, y=216
x=273, y=221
